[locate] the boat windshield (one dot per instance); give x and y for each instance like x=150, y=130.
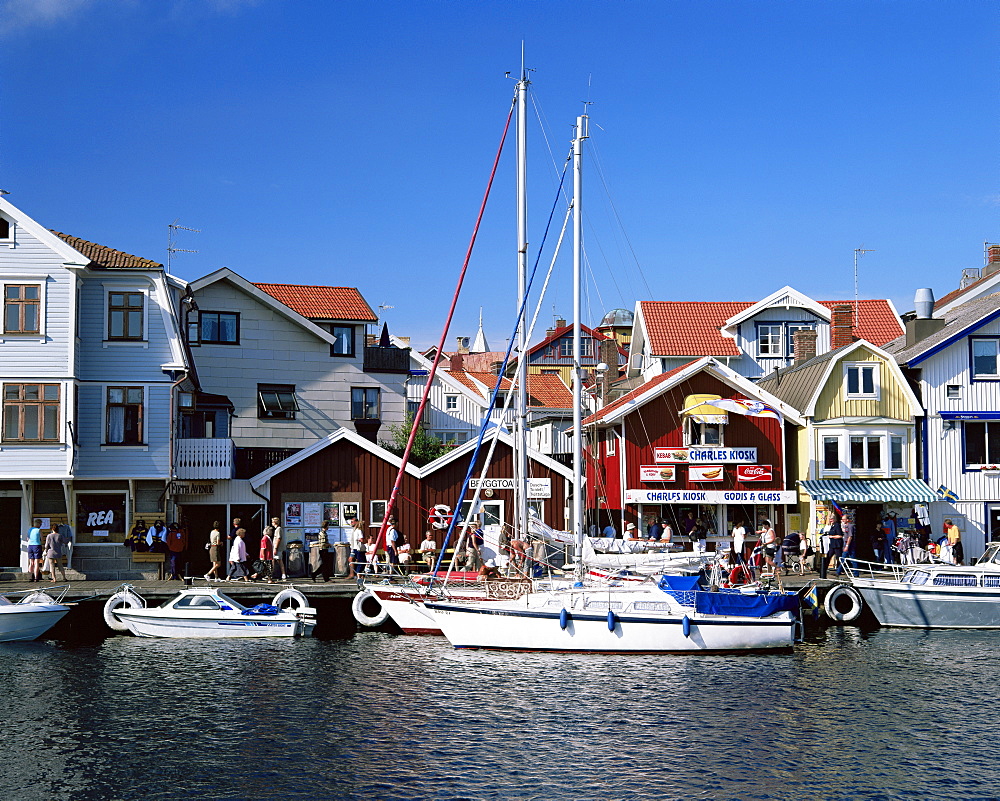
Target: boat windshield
x=992, y=555
x=917, y=577
x=196, y=602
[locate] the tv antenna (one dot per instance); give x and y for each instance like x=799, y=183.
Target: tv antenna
x=861, y=251
x=171, y=248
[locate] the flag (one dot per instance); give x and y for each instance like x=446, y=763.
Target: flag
x=947, y=494
x=745, y=406
x=810, y=600
x=836, y=507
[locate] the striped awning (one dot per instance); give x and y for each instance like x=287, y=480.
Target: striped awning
x=860, y=490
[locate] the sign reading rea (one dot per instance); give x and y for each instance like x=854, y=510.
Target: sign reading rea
x=754, y=472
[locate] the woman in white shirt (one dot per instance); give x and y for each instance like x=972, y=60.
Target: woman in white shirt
x=238, y=557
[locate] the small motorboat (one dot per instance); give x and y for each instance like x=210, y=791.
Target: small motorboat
x=207, y=612
x=32, y=614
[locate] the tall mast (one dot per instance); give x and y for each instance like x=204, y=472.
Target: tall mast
x=581, y=134
x=521, y=423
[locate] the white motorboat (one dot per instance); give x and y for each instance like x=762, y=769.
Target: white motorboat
x=929, y=596
x=30, y=615
x=208, y=612
x=644, y=619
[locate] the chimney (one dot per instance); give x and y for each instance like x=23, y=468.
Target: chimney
x=842, y=326
x=560, y=323
x=463, y=344
x=455, y=363
x=803, y=345
x=923, y=325
x=992, y=260
x=609, y=355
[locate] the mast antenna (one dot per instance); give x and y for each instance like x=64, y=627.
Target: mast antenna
x=861, y=251
x=171, y=248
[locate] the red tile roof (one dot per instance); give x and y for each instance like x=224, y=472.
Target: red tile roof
x=562, y=331
x=103, y=256
x=635, y=393
x=693, y=328
x=546, y=391
x=322, y=302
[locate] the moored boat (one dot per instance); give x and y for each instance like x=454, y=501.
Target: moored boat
x=31, y=615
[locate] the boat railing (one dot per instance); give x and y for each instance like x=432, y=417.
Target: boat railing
x=28, y=594
x=856, y=568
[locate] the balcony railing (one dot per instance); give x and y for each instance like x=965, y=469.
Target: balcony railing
x=203, y=458
x=387, y=360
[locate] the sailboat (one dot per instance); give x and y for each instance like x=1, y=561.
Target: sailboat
x=673, y=614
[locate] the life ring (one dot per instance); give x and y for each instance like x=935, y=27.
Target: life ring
x=123, y=598
x=440, y=517
x=839, y=597
x=365, y=602
x=299, y=601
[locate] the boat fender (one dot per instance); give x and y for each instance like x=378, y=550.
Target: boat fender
x=297, y=599
x=124, y=598
x=563, y=619
x=843, y=604
x=611, y=620
x=686, y=626
x=366, y=599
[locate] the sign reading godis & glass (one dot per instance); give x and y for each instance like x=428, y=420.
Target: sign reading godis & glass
x=100, y=517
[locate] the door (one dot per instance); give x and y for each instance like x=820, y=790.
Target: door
x=10, y=532
x=199, y=519
x=994, y=522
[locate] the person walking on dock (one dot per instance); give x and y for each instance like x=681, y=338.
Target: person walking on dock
x=238, y=557
x=278, y=540
x=214, y=552
x=35, y=551
x=53, y=556
x=177, y=542
x=356, y=538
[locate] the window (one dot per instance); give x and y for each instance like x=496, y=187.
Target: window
x=411, y=408
x=982, y=443
x=866, y=453
x=551, y=371
x=831, y=453
x=586, y=346
x=895, y=453
x=344, y=335
x=451, y=402
x=702, y=433
x=21, y=308
x=953, y=391
x=365, y=403
x=220, y=328
x=125, y=315
x=769, y=340
x=276, y=401
x=611, y=442
x=984, y=358
x=862, y=380
x=4, y=228
x=790, y=330
x=452, y=437
x=566, y=348
x=500, y=401
x=124, y=416
x=31, y=412
x=376, y=513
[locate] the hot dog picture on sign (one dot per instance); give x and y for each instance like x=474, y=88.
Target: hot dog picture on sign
x=706, y=473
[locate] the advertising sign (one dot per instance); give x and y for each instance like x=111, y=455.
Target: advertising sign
x=712, y=473
x=312, y=514
x=754, y=472
x=670, y=455
x=538, y=488
x=725, y=455
x=657, y=472
x=710, y=496
x=100, y=515
x=293, y=514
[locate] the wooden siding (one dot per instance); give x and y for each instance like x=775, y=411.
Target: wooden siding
x=97, y=459
x=753, y=366
x=466, y=418
x=892, y=403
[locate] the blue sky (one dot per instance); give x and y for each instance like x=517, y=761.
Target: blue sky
x=737, y=146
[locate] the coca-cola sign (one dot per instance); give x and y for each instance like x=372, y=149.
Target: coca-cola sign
x=753, y=472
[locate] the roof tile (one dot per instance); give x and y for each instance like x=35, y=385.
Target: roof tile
x=108, y=257
x=322, y=302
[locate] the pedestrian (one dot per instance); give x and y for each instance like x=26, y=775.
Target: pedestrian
x=278, y=540
x=630, y=532
x=955, y=541
x=428, y=550
x=609, y=531
x=214, y=552
x=738, y=546
x=177, y=541
x=654, y=530
x=769, y=544
x=356, y=538
x=392, y=540
x=265, y=559
x=850, y=540
x=836, y=547
x=317, y=551
x=35, y=551
x=371, y=555
x=238, y=557
x=67, y=541
x=53, y=554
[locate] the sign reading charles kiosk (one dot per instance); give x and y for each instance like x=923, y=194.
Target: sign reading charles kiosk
x=100, y=517
x=711, y=455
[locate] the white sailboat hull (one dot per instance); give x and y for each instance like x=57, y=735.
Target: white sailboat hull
x=646, y=623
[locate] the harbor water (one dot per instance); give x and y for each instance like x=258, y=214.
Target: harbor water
x=851, y=713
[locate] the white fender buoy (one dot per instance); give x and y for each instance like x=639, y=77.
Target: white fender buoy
x=563, y=619
x=123, y=598
x=843, y=604
x=686, y=626
x=297, y=599
x=363, y=603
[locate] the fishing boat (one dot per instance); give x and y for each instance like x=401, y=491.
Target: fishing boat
x=932, y=595
x=28, y=614
x=208, y=612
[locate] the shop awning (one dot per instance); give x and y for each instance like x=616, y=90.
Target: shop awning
x=696, y=408
x=858, y=490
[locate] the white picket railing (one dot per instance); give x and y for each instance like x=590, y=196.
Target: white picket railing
x=203, y=458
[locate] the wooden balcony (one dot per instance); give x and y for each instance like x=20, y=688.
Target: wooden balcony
x=386, y=360
x=203, y=458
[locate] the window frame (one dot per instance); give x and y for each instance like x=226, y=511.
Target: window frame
x=976, y=376
x=365, y=403
x=375, y=521
x=21, y=403
x=451, y=403
x=892, y=440
x=953, y=391
x=826, y=466
x=867, y=441
x=139, y=437
x=777, y=342
x=332, y=329
x=967, y=425
x=21, y=304
x=861, y=368
x=9, y=235
x=691, y=426
x=266, y=412
x=111, y=310
x=202, y=340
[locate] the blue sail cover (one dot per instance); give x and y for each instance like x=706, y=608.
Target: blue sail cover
x=732, y=602
x=679, y=583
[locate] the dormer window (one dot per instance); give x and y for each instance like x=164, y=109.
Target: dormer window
x=862, y=380
x=4, y=228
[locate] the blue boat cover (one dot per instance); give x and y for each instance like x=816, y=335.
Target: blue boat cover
x=261, y=609
x=736, y=603
x=680, y=583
